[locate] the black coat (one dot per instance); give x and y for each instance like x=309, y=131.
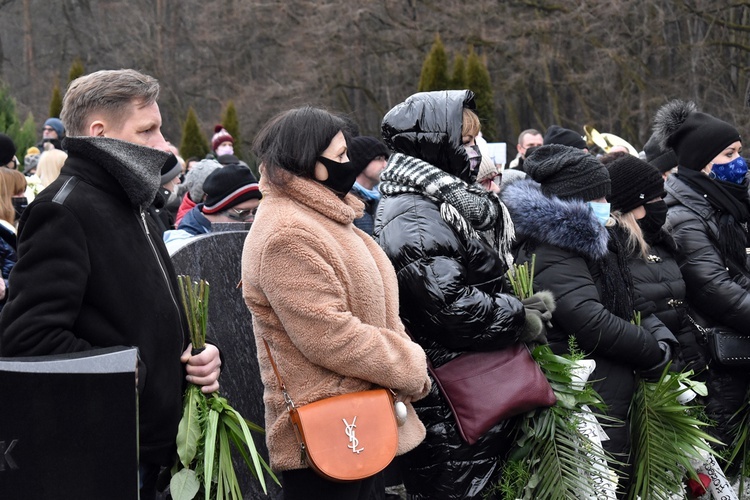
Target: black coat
x=93, y=272
x=452, y=300
x=569, y=243
x=716, y=288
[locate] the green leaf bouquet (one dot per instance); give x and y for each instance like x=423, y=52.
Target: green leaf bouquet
x=210, y=427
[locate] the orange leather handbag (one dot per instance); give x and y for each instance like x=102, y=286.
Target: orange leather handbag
x=348, y=437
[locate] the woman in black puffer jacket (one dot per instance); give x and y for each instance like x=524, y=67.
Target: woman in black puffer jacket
x=708, y=213
x=560, y=213
x=445, y=238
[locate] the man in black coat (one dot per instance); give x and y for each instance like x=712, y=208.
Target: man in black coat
x=93, y=272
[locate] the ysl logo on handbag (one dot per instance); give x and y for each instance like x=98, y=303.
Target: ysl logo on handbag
x=349, y=430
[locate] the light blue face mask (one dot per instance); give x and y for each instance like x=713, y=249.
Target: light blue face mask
x=734, y=171
x=601, y=210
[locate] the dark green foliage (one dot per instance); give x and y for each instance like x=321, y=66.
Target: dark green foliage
x=478, y=81
x=55, y=104
x=23, y=135
x=194, y=143
x=76, y=70
x=458, y=80
x=232, y=123
x=435, y=69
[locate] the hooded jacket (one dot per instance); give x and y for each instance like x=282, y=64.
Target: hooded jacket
x=92, y=272
x=569, y=242
x=325, y=298
x=453, y=295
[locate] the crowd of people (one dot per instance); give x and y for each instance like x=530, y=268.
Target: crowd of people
x=369, y=259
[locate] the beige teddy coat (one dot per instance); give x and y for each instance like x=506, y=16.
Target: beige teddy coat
x=325, y=297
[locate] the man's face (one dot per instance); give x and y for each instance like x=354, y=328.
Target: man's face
x=373, y=169
x=141, y=126
x=49, y=133
x=241, y=212
x=529, y=141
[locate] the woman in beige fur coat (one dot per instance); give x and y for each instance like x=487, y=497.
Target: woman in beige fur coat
x=323, y=295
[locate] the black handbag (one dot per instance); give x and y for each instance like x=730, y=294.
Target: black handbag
x=726, y=346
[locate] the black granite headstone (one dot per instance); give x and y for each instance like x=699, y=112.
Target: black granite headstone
x=216, y=257
x=69, y=426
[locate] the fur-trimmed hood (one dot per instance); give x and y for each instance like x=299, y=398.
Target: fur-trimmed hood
x=567, y=224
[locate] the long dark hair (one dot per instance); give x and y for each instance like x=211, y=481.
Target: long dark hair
x=294, y=139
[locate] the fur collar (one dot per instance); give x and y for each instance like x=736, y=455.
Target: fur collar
x=566, y=224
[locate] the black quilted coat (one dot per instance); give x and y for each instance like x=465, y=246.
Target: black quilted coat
x=452, y=298
x=718, y=289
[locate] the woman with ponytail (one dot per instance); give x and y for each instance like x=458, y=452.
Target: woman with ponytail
x=708, y=212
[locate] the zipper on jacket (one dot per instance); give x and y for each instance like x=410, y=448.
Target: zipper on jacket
x=163, y=274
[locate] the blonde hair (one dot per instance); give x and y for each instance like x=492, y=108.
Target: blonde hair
x=50, y=163
x=470, y=124
x=15, y=181
x=7, y=212
x=635, y=243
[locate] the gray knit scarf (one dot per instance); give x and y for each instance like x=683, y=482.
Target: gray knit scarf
x=471, y=210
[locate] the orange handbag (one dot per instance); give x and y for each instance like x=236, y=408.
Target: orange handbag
x=344, y=438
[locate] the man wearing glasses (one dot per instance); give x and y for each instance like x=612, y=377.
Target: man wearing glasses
x=232, y=195
x=53, y=133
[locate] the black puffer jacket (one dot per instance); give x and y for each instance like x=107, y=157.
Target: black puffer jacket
x=719, y=290
x=569, y=243
x=452, y=300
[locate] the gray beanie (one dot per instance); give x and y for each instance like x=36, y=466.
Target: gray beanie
x=567, y=172
x=196, y=176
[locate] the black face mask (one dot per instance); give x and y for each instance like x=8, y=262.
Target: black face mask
x=656, y=216
x=341, y=176
x=19, y=204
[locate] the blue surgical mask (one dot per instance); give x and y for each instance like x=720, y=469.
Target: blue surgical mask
x=601, y=210
x=734, y=171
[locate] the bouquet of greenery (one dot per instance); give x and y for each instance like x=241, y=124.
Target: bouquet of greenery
x=666, y=434
x=555, y=456
x=209, y=424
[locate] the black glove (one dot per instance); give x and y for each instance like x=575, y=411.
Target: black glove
x=653, y=373
x=539, y=308
x=644, y=306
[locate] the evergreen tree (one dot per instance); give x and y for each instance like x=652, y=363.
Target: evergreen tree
x=458, y=80
x=76, y=70
x=434, y=74
x=55, y=105
x=194, y=143
x=232, y=125
x=23, y=136
x=478, y=80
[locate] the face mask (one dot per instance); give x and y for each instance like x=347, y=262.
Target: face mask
x=656, y=216
x=19, y=204
x=475, y=158
x=226, y=149
x=734, y=171
x=341, y=176
x=601, y=210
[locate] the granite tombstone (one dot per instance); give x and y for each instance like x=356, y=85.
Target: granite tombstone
x=69, y=426
x=215, y=257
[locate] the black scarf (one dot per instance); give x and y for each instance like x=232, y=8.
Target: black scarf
x=617, y=285
x=732, y=202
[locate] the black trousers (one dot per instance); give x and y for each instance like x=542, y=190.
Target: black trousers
x=304, y=484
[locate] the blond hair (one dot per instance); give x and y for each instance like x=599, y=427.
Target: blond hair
x=50, y=163
x=7, y=212
x=635, y=242
x=470, y=124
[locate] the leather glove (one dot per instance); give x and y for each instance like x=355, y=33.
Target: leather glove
x=654, y=373
x=539, y=308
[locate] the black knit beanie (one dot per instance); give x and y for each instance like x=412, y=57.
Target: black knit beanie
x=363, y=149
x=229, y=186
x=558, y=135
x=660, y=157
x=7, y=149
x=634, y=183
x=567, y=172
x=697, y=138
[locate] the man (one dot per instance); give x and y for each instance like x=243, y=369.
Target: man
x=369, y=155
x=53, y=133
x=231, y=195
x=91, y=270
x=529, y=138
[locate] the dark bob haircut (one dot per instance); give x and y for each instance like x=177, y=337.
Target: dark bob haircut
x=293, y=140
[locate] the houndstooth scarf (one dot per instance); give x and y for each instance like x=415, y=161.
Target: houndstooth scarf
x=471, y=210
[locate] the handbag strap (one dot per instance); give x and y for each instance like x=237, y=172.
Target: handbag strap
x=287, y=398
